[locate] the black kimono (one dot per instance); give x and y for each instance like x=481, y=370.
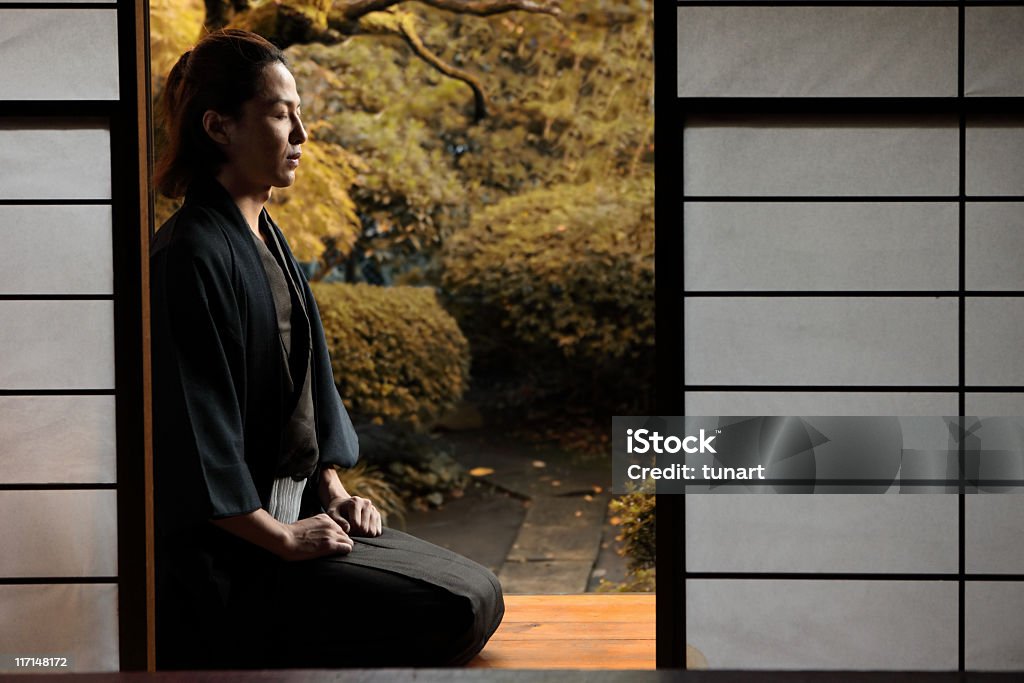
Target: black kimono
x=219, y=415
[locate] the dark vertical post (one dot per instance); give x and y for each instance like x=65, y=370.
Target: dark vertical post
x=961, y=336
x=670, y=529
x=130, y=199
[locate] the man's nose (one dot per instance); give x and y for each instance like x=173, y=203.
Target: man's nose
x=298, y=132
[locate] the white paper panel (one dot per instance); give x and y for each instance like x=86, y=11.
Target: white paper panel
x=57, y=439
x=821, y=246
x=994, y=151
x=992, y=533
x=68, y=54
x=816, y=52
x=994, y=404
x=994, y=51
x=994, y=354
x=785, y=158
x=803, y=340
x=819, y=403
x=895, y=625
x=78, y=621
x=57, y=345
x=58, y=533
x=822, y=533
x=995, y=245
x=993, y=623
x=56, y=250
x=61, y=161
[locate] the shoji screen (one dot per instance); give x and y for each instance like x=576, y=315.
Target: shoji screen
x=72, y=570
x=851, y=181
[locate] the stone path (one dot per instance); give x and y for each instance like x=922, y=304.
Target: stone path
x=557, y=545
x=548, y=513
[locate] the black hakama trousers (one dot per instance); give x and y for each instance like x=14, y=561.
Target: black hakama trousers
x=394, y=601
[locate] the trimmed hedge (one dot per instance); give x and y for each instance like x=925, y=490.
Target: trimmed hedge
x=397, y=355
x=564, y=272
x=636, y=513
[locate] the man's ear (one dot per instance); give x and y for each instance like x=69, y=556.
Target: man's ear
x=217, y=127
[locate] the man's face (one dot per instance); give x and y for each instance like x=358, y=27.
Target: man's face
x=265, y=140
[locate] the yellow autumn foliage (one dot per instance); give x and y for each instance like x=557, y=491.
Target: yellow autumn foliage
x=397, y=355
x=174, y=26
x=563, y=273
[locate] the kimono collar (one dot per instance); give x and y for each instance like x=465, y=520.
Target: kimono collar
x=205, y=190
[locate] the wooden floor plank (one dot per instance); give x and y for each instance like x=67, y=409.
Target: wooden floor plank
x=584, y=630
x=590, y=608
x=567, y=654
x=584, y=599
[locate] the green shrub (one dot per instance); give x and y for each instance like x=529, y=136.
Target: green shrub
x=565, y=274
x=635, y=513
x=397, y=355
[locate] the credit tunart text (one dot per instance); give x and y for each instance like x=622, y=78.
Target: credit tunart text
x=678, y=471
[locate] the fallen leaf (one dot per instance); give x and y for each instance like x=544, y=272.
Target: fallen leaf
x=480, y=471
x=539, y=463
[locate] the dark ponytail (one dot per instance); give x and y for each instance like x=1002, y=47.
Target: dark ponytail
x=221, y=72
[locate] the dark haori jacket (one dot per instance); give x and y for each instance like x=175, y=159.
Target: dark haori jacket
x=219, y=409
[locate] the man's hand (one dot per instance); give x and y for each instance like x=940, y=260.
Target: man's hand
x=305, y=539
x=359, y=513
x=315, y=537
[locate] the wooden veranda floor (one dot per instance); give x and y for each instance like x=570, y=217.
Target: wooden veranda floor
x=589, y=631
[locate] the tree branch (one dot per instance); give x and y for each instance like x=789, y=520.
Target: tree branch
x=218, y=13
x=321, y=21
x=408, y=31
x=327, y=264
x=286, y=24
x=353, y=9
x=485, y=8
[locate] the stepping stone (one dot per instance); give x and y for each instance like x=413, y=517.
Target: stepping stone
x=482, y=525
x=557, y=545
x=560, y=529
x=553, y=576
